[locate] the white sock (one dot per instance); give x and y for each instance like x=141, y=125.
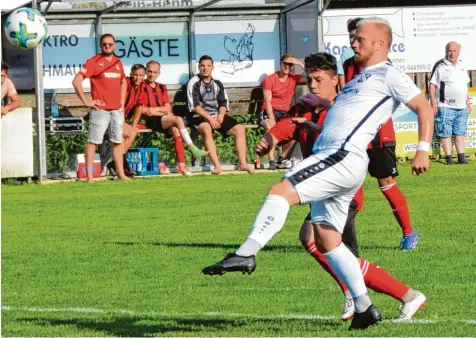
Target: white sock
x=269, y=222
x=186, y=137
x=347, y=268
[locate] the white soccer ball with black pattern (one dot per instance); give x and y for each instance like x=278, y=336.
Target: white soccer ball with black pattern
x=26, y=28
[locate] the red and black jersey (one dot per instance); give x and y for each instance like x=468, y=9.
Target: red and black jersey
x=132, y=98
x=385, y=137
x=285, y=130
x=154, y=96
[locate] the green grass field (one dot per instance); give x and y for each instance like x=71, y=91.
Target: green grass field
x=125, y=259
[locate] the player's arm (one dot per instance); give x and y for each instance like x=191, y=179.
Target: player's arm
x=138, y=110
x=159, y=111
x=432, y=92
x=424, y=111
x=14, y=104
x=434, y=82
x=222, y=100
x=307, y=125
x=267, y=96
x=123, y=92
x=282, y=131
x=401, y=87
x=85, y=72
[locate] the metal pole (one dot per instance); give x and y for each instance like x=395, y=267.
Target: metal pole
x=320, y=26
x=283, y=37
x=40, y=109
x=98, y=32
x=191, y=45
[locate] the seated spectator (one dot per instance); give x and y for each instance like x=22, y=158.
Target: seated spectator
x=208, y=101
x=154, y=104
x=134, y=85
x=278, y=92
x=9, y=91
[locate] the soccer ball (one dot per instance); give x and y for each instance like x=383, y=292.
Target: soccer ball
x=26, y=28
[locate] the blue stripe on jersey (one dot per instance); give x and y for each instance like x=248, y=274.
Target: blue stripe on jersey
x=366, y=117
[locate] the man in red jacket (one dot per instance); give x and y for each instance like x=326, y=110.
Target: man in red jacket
x=383, y=166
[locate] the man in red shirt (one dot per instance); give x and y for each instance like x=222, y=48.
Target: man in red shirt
x=108, y=92
x=383, y=166
x=134, y=85
x=304, y=123
x=278, y=92
x=154, y=103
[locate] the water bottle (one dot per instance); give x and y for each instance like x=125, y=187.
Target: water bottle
x=54, y=106
x=139, y=162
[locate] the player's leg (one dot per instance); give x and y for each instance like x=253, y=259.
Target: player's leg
x=328, y=219
x=263, y=121
x=179, y=151
x=129, y=135
x=379, y=280
x=300, y=184
x=206, y=131
x=169, y=121
x=383, y=166
x=115, y=136
x=459, y=130
x=230, y=127
x=306, y=236
x=98, y=124
x=444, y=130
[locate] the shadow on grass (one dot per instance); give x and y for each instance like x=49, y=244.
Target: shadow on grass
x=145, y=326
x=233, y=247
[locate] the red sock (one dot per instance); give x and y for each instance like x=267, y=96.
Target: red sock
x=381, y=281
x=179, y=149
x=319, y=257
x=399, y=205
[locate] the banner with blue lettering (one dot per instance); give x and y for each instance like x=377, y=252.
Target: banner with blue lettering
x=243, y=51
x=64, y=52
x=166, y=43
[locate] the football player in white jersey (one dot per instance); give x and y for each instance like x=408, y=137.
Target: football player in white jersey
x=329, y=178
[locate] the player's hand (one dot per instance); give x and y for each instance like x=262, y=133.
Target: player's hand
x=262, y=148
x=148, y=111
x=94, y=104
x=315, y=101
x=420, y=163
x=434, y=106
x=214, y=123
x=220, y=118
x=4, y=110
x=270, y=123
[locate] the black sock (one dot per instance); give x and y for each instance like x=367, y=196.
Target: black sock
x=461, y=158
x=449, y=159
x=280, y=159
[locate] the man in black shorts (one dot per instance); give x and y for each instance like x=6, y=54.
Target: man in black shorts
x=154, y=104
x=208, y=102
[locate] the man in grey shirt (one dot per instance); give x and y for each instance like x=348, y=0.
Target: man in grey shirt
x=208, y=102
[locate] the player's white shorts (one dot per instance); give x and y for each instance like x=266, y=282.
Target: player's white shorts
x=329, y=181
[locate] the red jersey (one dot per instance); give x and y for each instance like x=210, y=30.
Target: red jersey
x=285, y=130
x=385, y=137
x=282, y=92
x=132, y=97
x=154, y=97
x=106, y=79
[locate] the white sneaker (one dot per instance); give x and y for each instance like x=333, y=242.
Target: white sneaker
x=408, y=310
x=295, y=161
x=348, y=312
x=286, y=164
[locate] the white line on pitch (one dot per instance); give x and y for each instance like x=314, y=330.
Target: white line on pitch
x=215, y=314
